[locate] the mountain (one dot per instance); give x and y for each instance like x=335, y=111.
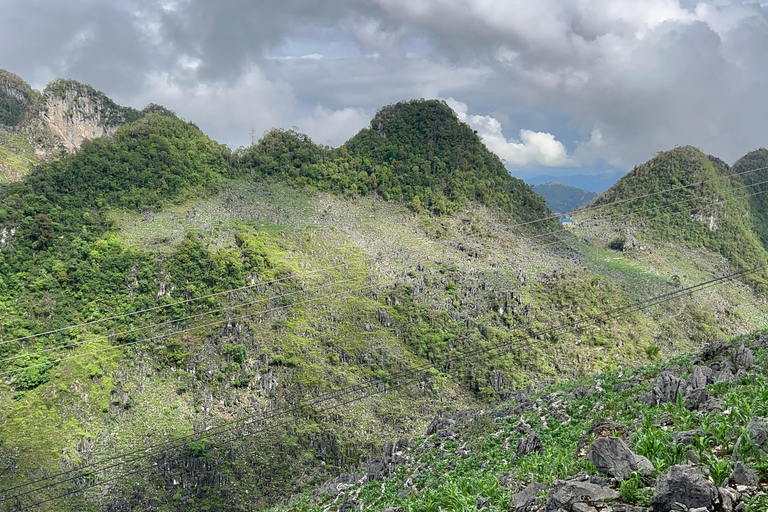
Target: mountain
x=687, y=196
x=596, y=182
x=562, y=198
x=35, y=126
x=416, y=151
x=185, y=327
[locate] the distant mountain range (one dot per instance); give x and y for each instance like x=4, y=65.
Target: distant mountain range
x=562, y=198
x=594, y=182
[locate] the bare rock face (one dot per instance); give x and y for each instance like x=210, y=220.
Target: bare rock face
x=76, y=112
x=684, y=485
x=611, y=456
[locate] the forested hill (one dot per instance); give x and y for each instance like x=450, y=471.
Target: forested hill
x=416, y=151
x=684, y=195
x=562, y=198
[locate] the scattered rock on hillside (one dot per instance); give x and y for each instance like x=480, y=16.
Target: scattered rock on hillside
x=666, y=387
x=743, y=475
x=528, y=445
x=612, y=457
x=684, y=485
x=566, y=494
x=526, y=500
x=758, y=435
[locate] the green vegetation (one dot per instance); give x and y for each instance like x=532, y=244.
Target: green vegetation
x=562, y=198
x=712, y=213
x=16, y=99
x=417, y=152
x=475, y=460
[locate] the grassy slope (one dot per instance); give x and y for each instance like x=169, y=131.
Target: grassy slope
x=478, y=460
x=161, y=393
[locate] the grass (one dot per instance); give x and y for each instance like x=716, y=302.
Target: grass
x=480, y=464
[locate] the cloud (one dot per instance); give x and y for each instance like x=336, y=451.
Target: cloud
x=534, y=148
x=645, y=76
x=333, y=127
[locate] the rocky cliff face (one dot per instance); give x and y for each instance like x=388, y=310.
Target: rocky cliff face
x=34, y=126
x=75, y=112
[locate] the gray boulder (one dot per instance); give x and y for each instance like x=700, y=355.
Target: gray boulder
x=528, y=445
x=743, y=357
x=758, y=435
x=566, y=493
x=684, y=485
x=611, y=456
x=525, y=500
x=687, y=437
x=700, y=377
x=743, y=475
x=666, y=387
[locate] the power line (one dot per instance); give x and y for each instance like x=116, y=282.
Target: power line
x=540, y=246
x=637, y=305
x=517, y=225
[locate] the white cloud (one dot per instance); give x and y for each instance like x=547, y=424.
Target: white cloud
x=533, y=148
x=333, y=127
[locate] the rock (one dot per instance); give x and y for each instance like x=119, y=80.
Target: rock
x=481, y=503
x=565, y=494
x=695, y=398
x=700, y=377
x=743, y=357
x=758, y=433
x=687, y=437
x=601, y=428
x=528, y=445
x=712, y=350
x=583, y=507
x=685, y=485
x=611, y=456
x=725, y=375
x=711, y=405
x=666, y=387
x=525, y=500
x=350, y=503
x=728, y=498
x=743, y=475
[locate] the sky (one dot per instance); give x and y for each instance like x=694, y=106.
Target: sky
x=554, y=87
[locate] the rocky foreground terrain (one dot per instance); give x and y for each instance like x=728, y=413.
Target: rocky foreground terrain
x=687, y=435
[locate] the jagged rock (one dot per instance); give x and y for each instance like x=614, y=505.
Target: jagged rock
x=525, y=500
x=611, y=456
x=700, y=377
x=725, y=375
x=712, y=350
x=481, y=503
x=685, y=485
x=695, y=398
x=743, y=475
x=528, y=445
x=566, y=493
x=711, y=405
x=583, y=507
x=666, y=388
x=350, y=503
x=601, y=428
x=728, y=498
x=743, y=357
x=687, y=437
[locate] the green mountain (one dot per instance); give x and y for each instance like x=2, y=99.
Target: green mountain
x=187, y=328
x=36, y=127
x=416, y=151
x=695, y=199
x=562, y=198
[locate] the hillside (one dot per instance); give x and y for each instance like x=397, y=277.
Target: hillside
x=276, y=314
x=417, y=151
x=35, y=126
x=689, y=430
x=562, y=198
x=688, y=197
